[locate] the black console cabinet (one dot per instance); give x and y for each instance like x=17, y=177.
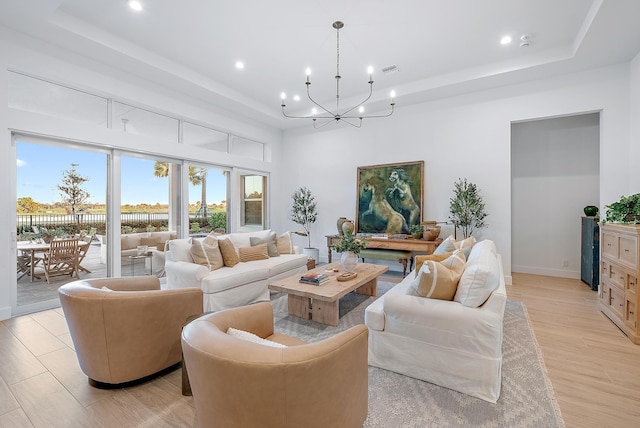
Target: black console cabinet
x=590, y=259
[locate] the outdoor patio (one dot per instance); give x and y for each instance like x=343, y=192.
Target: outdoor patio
x=39, y=290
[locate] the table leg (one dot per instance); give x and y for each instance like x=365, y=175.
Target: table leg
x=299, y=306
x=369, y=289
x=326, y=312
x=32, y=267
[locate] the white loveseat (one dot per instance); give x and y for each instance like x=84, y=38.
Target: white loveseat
x=230, y=287
x=440, y=341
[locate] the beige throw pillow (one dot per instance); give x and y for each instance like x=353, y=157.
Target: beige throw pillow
x=439, y=280
x=150, y=242
x=284, y=244
x=270, y=240
x=434, y=257
x=207, y=253
x=228, y=251
x=446, y=246
x=258, y=252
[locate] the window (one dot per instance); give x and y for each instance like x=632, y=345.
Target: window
x=207, y=198
x=252, y=209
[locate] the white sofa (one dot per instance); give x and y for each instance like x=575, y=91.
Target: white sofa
x=440, y=341
x=230, y=287
x=129, y=243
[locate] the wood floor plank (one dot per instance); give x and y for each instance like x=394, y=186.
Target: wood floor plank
x=53, y=321
x=8, y=402
x=15, y=419
x=17, y=362
x=35, y=337
x=63, y=365
x=47, y=403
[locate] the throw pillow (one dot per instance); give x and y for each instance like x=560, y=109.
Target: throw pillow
x=284, y=244
x=480, y=277
x=228, y=251
x=446, y=246
x=434, y=257
x=250, y=337
x=270, y=240
x=150, y=242
x=466, y=245
x=439, y=280
x=258, y=252
x=181, y=250
x=206, y=253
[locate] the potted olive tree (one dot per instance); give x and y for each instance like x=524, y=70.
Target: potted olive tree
x=303, y=212
x=467, y=207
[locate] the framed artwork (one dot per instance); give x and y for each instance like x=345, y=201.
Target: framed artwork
x=390, y=197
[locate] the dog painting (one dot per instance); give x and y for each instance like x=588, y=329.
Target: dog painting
x=390, y=197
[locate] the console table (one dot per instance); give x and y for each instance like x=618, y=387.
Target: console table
x=408, y=244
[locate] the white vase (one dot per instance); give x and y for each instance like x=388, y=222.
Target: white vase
x=349, y=261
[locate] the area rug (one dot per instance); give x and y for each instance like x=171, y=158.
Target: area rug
x=526, y=400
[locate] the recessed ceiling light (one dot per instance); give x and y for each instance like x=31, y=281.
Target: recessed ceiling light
x=505, y=40
x=296, y=98
x=135, y=5
x=239, y=65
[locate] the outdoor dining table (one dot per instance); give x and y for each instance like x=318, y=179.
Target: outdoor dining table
x=39, y=247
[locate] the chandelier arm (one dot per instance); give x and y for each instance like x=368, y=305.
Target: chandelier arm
x=353, y=124
x=293, y=117
x=314, y=101
x=361, y=102
x=373, y=116
x=315, y=126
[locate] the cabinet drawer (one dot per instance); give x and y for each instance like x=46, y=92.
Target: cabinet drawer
x=632, y=284
x=616, y=301
x=610, y=245
x=631, y=318
x=617, y=276
x=628, y=250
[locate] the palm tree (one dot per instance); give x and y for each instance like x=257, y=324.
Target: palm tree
x=197, y=177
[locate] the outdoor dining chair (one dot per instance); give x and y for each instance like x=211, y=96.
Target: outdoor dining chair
x=62, y=258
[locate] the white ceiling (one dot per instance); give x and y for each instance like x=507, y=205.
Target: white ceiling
x=441, y=47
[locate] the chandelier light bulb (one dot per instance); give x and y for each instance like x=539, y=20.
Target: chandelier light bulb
x=307, y=71
x=283, y=96
x=361, y=109
x=370, y=70
x=135, y=5
x=314, y=111
x=392, y=94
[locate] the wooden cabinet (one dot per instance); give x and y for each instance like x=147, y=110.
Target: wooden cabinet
x=619, y=271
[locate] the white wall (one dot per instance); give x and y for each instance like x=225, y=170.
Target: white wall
x=467, y=136
x=634, y=158
x=31, y=57
x=555, y=174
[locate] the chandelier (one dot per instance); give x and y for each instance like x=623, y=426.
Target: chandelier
x=321, y=115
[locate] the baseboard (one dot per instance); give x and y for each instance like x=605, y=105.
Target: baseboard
x=546, y=271
x=5, y=313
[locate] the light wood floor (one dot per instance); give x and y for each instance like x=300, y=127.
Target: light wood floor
x=594, y=368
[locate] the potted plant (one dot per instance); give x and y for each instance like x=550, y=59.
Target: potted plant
x=467, y=207
x=350, y=246
x=416, y=230
x=303, y=212
x=626, y=210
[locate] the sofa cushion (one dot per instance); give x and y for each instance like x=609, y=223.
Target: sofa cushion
x=129, y=242
x=439, y=280
x=206, y=252
x=419, y=260
x=257, y=252
x=154, y=242
x=284, y=263
x=480, y=278
x=284, y=244
x=181, y=250
x=270, y=240
x=228, y=251
x=241, y=274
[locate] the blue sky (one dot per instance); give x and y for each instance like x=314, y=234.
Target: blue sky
x=40, y=169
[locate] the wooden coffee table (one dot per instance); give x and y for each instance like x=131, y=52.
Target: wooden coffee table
x=321, y=302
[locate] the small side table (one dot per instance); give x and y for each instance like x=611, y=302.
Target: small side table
x=144, y=257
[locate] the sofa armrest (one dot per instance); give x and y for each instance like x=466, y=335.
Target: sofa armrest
x=184, y=274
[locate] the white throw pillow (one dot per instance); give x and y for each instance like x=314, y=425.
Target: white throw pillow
x=181, y=250
x=250, y=337
x=480, y=278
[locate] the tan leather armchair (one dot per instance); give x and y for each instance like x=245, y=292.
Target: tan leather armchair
x=129, y=329
x=237, y=383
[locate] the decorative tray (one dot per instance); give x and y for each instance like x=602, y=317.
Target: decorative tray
x=346, y=276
